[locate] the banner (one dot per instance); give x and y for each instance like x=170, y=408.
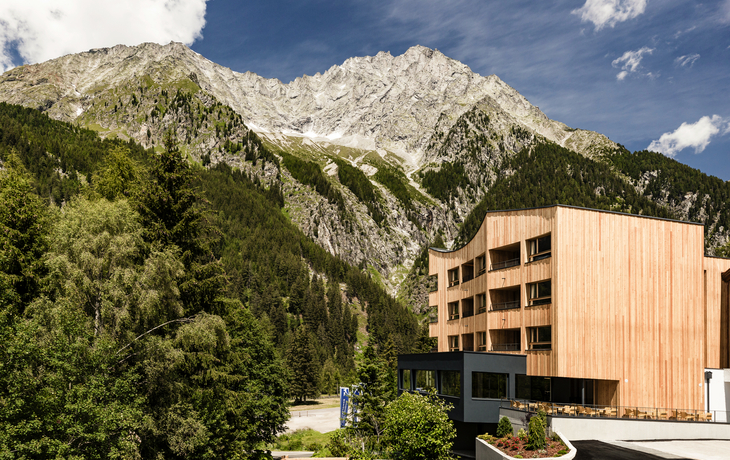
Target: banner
x=344, y=402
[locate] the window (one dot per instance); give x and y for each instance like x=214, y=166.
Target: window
x=453, y=310
x=532, y=388
x=488, y=385
x=482, y=341
x=540, y=293
x=454, y=277
x=539, y=248
x=481, y=264
x=450, y=383
x=425, y=380
x=540, y=337
x=453, y=343
x=481, y=303
x=405, y=379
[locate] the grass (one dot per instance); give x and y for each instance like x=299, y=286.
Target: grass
x=320, y=403
x=307, y=440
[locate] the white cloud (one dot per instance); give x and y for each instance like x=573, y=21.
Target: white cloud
x=47, y=29
x=609, y=12
x=687, y=61
x=696, y=135
x=630, y=62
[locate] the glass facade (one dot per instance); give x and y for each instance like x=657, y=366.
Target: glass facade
x=425, y=380
x=488, y=385
x=450, y=383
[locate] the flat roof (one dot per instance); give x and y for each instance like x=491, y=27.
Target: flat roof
x=566, y=206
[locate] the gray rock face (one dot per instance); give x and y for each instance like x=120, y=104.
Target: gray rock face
x=370, y=102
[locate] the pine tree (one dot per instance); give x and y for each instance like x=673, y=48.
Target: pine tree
x=304, y=366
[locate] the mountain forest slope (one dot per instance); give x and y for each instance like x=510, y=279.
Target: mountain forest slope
x=373, y=159
x=143, y=293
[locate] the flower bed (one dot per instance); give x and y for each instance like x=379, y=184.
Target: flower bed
x=516, y=447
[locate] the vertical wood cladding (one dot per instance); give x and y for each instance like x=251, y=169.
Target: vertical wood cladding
x=634, y=302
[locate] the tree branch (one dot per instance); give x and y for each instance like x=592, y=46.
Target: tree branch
x=179, y=320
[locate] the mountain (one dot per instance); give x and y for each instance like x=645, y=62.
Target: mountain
x=375, y=158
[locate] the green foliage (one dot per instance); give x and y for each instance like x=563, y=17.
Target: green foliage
x=548, y=174
x=395, y=181
x=308, y=440
x=132, y=344
x=354, y=179
x=62, y=393
x=304, y=365
x=119, y=176
x=723, y=251
x=54, y=153
x=418, y=427
x=23, y=227
x=504, y=428
x=444, y=182
x=309, y=173
x=671, y=180
x=522, y=434
x=536, y=436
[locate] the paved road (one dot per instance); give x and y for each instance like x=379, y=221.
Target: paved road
x=699, y=450
x=597, y=450
x=322, y=420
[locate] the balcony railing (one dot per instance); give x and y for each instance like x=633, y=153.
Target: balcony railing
x=453, y=316
x=504, y=264
x=622, y=412
x=453, y=283
x=481, y=271
x=505, y=305
x=505, y=347
x=433, y=319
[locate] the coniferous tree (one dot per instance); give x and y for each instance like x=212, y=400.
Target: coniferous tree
x=303, y=363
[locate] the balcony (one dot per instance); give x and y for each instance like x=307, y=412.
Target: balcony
x=467, y=307
x=481, y=265
x=504, y=257
x=505, y=264
x=506, y=339
x=505, y=347
x=505, y=299
x=467, y=272
x=505, y=305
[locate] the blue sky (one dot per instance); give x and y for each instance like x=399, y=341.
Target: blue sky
x=642, y=72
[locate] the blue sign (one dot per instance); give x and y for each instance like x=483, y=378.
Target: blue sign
x=344, y=401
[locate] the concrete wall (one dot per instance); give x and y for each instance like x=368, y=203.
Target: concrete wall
x=580, y=428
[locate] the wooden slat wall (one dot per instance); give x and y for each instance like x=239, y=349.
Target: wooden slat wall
x=628, y=301
x=717, y=328
x=630, y=305
x=498, y=230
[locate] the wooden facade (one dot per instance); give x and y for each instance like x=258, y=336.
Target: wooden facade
x=628, y=301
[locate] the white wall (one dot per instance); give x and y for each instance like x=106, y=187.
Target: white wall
x=719, y=394
x=580, y=428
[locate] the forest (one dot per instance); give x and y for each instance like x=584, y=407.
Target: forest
x=151, y=307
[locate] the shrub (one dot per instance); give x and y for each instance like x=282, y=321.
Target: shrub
x=418, y=427
x=504, y=428
x=522, y=434
x=536, y=437
x=562, y=452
